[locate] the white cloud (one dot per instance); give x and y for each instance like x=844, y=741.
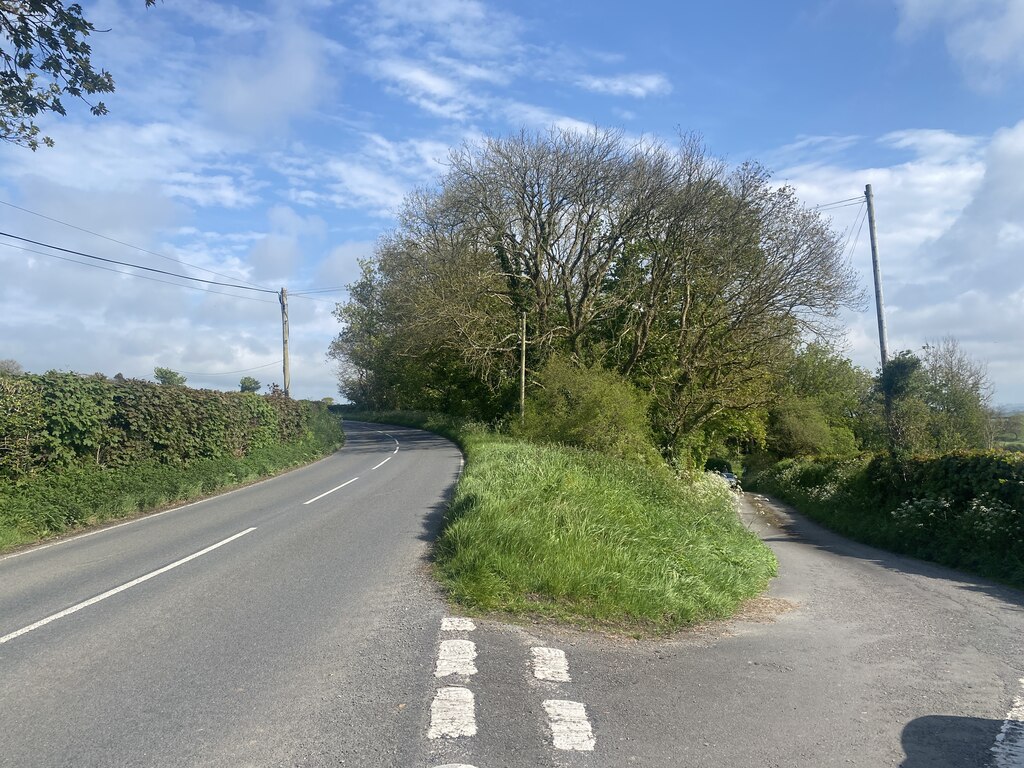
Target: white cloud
x=258, y=95
x=638, y=86
x=986, y=37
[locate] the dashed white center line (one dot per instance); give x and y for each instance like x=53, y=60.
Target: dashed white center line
x=456, y=657
x=326, y=493
x=570, y=728
x=382, y=463
x=452, y=714
x=122, y=588
x=457, y=624
x=550, y=664
x=1009, y=746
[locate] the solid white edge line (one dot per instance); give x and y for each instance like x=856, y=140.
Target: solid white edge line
x=326, y=493
x=122, y=588
x=1008, y=751
x=382, y=463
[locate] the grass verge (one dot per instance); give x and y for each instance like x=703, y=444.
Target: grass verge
x=53, y=503
x=582, y=538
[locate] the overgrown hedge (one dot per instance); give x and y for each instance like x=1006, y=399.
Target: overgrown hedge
x=79, y=449
x=962, y=510
x=56, y=421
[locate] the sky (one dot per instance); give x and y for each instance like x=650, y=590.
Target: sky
x=269, y=144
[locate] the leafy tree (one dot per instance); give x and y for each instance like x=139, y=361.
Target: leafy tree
x=9, y=367
x=824, y=406
x=690, y=280
x=249, y=384
x=168, y=377
x=44, y=57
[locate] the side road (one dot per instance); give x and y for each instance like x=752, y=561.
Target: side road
x=855, y=657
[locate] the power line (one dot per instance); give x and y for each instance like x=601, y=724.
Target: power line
x=136, y=266
x=320, y=290
x=230, y=373
x=132, y=274
x=859, y=198
x=121, y=242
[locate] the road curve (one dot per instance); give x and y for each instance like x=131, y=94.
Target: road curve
x=291, y=623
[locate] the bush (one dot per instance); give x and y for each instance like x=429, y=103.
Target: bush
x=593, y=408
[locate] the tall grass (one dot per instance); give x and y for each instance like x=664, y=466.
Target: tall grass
x=582, y=537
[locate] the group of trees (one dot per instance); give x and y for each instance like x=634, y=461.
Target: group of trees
x=692, y=282
x=708, y=292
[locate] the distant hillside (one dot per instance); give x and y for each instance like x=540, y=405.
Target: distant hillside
x=1010, y=408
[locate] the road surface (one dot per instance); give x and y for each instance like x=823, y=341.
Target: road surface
x=295, y=623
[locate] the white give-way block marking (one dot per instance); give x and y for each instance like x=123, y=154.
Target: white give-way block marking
x=550, y=664
x=456, y=657
x=1009, y=746
x=570, y=727
x=457, y=624
x=452, y=714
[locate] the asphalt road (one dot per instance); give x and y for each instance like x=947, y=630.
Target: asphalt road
x=315, y=637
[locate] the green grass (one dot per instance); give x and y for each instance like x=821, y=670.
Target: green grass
x=52, y=503
x=575, y=535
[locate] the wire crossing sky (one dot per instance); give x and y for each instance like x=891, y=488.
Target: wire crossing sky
x=270, y=144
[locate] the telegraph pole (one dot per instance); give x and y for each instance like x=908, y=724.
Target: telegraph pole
x=883, y=341
x=522, y=370
x=283, y=297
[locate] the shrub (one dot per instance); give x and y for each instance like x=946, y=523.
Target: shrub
x=593, y=408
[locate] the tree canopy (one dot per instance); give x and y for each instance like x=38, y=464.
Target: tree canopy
x=690, y=279
x=45, y=56
x=168, y=377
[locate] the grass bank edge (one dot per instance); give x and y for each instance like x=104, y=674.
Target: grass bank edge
x=538, y=531
x=52, y=505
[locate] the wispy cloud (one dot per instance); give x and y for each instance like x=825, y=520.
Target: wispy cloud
x=638, y=86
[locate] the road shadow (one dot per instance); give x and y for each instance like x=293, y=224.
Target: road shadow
x=945, y=741
x=793, y=526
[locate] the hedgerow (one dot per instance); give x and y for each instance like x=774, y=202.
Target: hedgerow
x=81, y=449
x=963, y=510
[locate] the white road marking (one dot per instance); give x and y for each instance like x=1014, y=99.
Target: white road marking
x=570, y=728
x=122, y=588
x=326, y=493
x=382, y=463
x=457, y=624
x=452, y=714
x=456, y=658
x=455, y=765
x=550, y=664
x=1009, y=746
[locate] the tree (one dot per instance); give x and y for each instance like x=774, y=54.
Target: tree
x=168, y=377
x=937, y=402
x=689, y=280
x=9, y=367
x=44, y=57
x=249, y=384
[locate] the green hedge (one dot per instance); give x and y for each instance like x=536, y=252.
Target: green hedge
x=962, y=510
x=77, y=449
x=57, y=421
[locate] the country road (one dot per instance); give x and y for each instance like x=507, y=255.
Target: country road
x=294, y=623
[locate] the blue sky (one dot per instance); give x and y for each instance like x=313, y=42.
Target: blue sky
x=271, y=143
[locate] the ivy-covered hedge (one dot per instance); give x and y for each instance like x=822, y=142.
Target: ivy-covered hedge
x=962, y=510
x=56, y=421
x=81, y=449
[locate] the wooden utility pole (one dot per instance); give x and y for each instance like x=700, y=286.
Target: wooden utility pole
x=883, y=341
x=283, y=296
x=522, y=370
